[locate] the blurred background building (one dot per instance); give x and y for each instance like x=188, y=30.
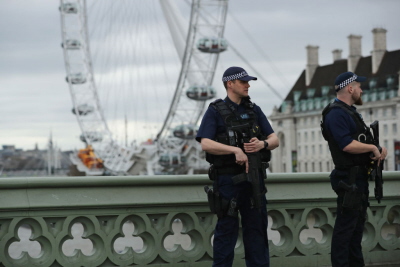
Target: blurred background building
x=16, y=162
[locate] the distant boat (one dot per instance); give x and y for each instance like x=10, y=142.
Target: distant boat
x=86, y=163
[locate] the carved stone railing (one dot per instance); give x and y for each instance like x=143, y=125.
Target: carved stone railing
x=165, y=221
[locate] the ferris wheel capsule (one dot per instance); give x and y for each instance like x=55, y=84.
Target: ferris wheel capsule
x=76, y=78
x=171, y=160
x=212, y=45
x=91, y=136
x=185, y=131
x=71, y=44
x=69, y=8
x=200, y=92
x=83, y=109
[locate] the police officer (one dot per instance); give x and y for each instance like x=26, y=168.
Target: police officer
x=221, y=135
x=350, y=143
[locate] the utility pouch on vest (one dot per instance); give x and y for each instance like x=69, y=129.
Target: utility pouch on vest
x=212, y=173
x=265, y=155
x=264, y=167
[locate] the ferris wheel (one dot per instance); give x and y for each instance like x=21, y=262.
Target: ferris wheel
x=106, y=46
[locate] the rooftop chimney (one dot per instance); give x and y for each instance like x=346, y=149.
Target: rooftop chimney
x=337, y=54
x=379, y=48
x=354, y=51
x=312, y=62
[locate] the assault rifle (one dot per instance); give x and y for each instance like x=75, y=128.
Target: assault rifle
x=253, y=176
x=376, y=170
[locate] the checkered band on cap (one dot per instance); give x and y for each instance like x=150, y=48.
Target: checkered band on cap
x=234, y=76
x=346, y=82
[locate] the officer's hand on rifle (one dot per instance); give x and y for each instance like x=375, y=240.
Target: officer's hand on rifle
x=241, y=158
x=383, y=155
x=375, y=154
x=253, y=146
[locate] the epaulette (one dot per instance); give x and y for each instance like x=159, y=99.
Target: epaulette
x=214, y=103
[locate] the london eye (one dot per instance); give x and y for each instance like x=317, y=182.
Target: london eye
x=138, y=102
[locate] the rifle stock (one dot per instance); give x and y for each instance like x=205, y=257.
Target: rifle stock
x=253, y=176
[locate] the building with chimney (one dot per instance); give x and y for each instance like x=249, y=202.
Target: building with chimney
x=297, y=120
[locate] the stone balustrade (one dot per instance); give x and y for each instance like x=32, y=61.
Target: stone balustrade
x=165, y=221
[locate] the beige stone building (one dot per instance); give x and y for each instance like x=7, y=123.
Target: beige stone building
x=297, y=120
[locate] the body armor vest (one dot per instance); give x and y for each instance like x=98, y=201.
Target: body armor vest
x=341, y=159
x=240, y=128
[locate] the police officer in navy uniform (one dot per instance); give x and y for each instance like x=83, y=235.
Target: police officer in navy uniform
x=231, y=161
x=350, y=143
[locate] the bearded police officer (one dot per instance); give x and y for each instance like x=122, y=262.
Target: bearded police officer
x=352, y=149
x=237, y=138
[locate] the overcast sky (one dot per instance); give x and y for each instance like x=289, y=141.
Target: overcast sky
x=35, y=98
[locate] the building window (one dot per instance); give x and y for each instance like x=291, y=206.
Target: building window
x=305, y=137
x=313, y=150
x=282, y=142
x=385, y=129
x=306, y=151
x=320, y=149
x=299, y=137
x=312, y=135
x=393, y=111
x=312, y=167
x=305, y=167
x=327, y=165
x=394, y=128
x=280, y=123
x=320, y=166
x=284, y=167
x=385, y=144
x=384, y=112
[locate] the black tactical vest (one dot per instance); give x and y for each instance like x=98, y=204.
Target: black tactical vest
x=341, y=159
x=240, y=128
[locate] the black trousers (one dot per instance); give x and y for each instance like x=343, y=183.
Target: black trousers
x=346, y=250
x=254, y=227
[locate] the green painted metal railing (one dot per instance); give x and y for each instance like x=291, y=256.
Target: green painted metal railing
x=165, y=221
